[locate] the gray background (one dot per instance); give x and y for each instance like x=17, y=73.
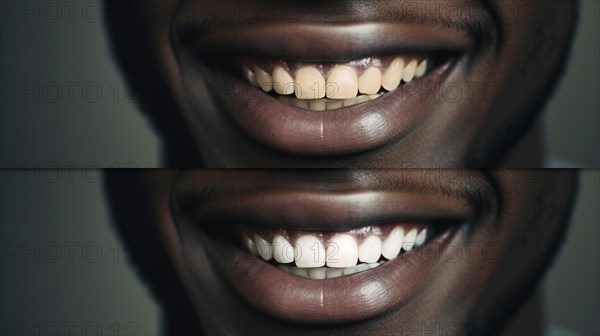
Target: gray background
x=55, y=50
x=56, y=210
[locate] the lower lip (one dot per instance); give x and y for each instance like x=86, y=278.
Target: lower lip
x=345, y=299
x=346, y=131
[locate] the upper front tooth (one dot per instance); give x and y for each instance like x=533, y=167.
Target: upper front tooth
x=409, y=240
x=393, y=75
x=392, y=245
x=369, y=250
x=342, y=251
x=264, y=248
x=310, y=252
x=421, y=69
x=264, y=79
x=342, y=83
x=282, y=81
x=283, y=251
x=370, y=81
x=310, y=83
x=409, y=72
x=421, y=237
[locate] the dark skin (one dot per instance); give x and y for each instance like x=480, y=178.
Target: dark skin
x=508, y=57
x=168, y=52
x=524, y=214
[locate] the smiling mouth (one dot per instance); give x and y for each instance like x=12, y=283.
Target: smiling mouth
x=285, y=91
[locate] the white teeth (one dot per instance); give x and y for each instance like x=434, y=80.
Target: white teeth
x=334, y=273
x=283, y=251
x=317, y=105
x=393, y=75
x=409, y=72
x=310, y=252
x=369, y=250
x=307, y=256
x=392, y=245
x=421, y=237
x=250, y=245
x=373, y=265
x=264, y=79
x=334, y=104
x=303, y=272
x=359, y=268
x=355, y=101
x=250, y=77
x=421, y=69
x=342, y=251
x=342, y=83
x=311, y=83
x=370, y=81
x=343, y=86
x=282, y=81
x=319, y=273
x=264, y=248
x=409, y=240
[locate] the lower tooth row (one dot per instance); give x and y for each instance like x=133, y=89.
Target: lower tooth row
x=327, y=104
x=342, y=251
x=321, y=273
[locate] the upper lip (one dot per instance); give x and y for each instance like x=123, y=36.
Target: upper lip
x=341, y=201
x=298, y=41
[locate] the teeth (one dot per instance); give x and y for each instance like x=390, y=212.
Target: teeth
x=334, y=104
x=264, y=248
x=421, y=69
x=322, y=273
x=421, y=237
x=310, y=252
x=342, y=251
x=317, y=105
x=343, y=86
x=355, y=101
x=342, y=83
x=359, y=268
x=409, y=240
x=250, y=246
x=283, y=251
x=319, y=273
x=369, y=250
x=326, y=103
x=393, y=75
x=264, y=79
x=330, y=255
x=311, y=83
x=334, y=273
x=282, y=81
x=370, y=81
x=303, y=272
x=409, y=71
x=250, y=77
x=392, y=245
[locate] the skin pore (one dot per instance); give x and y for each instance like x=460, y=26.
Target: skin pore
x=514, y=223
x=498, y=64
